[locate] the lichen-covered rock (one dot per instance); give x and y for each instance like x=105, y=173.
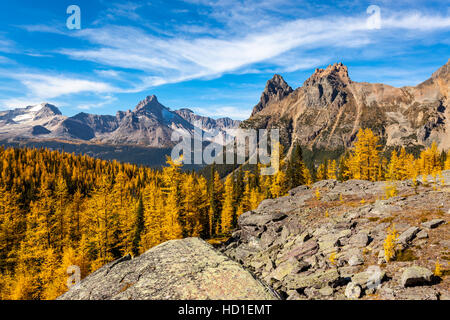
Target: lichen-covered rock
x=356, y=260
x=422, y=235
x=306, y=249
x=175, y=270
x=408, y=235
x=353, y=291
x=252, y=218
x=360, y=240
x=291, y=266
x=372, y=277
x=416, y=276
x=326, y=291
x=433, y=223
x=318, y=279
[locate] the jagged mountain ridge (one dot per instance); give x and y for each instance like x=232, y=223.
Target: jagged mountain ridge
x=208, y=124
x=150, y=124
x=328, y=110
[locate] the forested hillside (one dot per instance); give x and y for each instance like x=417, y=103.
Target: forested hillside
x=59, y=209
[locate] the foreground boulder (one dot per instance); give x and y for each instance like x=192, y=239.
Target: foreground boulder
x=416, y=276
x=175, y=270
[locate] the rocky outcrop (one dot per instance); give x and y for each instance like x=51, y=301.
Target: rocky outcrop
x=208, y=124
x=176, y=270
x=328, y=110
x=291, y=244
x=276, y=90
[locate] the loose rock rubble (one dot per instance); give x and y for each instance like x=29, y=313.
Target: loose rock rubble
x=292, y=245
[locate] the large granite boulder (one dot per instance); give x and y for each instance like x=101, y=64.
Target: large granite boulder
x=175, y=270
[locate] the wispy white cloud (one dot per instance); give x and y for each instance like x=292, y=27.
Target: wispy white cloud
x=416, y=21
x=108, y=73
x=6, y=45
x=239, y=37
x=6, y=60
x=392, y=75
x=37, y=55
x=45, y=28
x=176, y=59
x=104, y=101
x=224, y=111
x=48, y=86
x=116, y=10
x=127, y=10
x=13, y=103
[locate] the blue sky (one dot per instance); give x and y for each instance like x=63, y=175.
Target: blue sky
x=211, y=56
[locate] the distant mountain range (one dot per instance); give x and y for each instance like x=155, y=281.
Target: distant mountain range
x=329, y=109
x=324, y=116
x=150, y=124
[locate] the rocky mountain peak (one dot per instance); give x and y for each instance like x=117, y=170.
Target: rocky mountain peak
x=149, y=103
x=327, y=86
x=276, y=89
x=442, y=72
x=327, y=111
x=44, y=111
x=337, y=72
x=49, y=108
x=184, y=111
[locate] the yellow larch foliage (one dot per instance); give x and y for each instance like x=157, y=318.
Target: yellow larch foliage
x=228, y=210
x=364, y=159
x=278, y=187
x=447, y=162
x=331, y=170
x=307, y=175
x=390, y=190
x=332, y=258
x=64, y=208
x=429, y=160
x=438, y=269
x=321, y=172
x=172, y=180
x=390, y=243
x=318, y=195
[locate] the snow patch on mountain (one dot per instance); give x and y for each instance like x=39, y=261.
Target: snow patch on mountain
x=23, y=118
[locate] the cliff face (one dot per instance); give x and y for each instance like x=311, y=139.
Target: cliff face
x=276, y=90
x=328, y=110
